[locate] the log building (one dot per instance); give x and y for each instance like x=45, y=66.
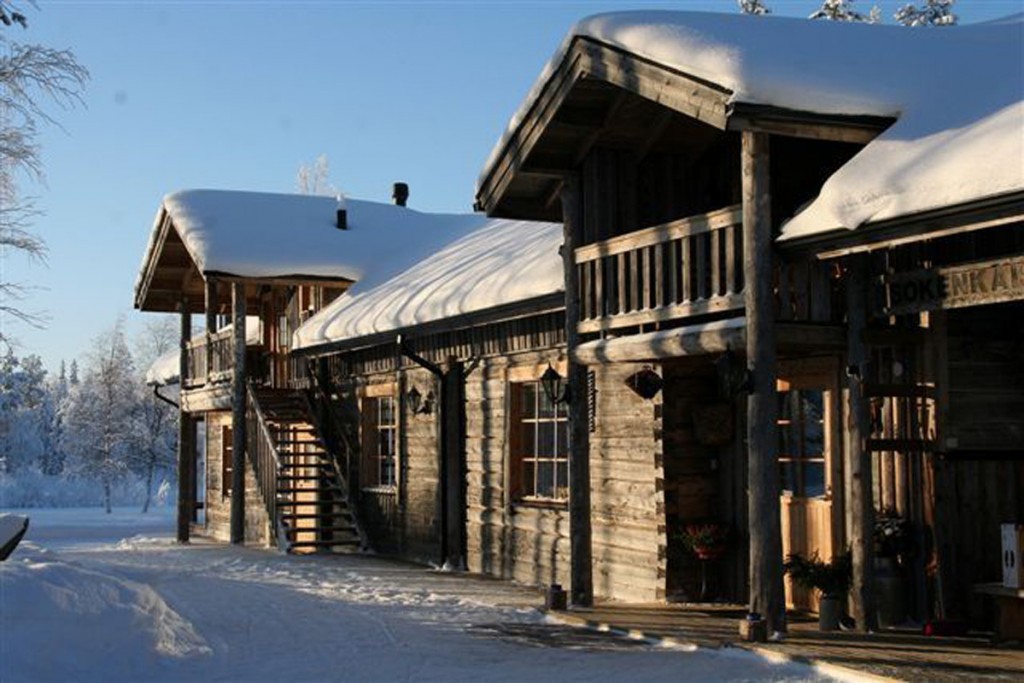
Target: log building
x=785, y=299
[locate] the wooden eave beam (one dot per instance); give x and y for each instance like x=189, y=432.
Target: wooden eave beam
x=985, y=213
x=281, y=280
x=152, y=257
x=799, y=124
x=587, y=58
x=690, y=96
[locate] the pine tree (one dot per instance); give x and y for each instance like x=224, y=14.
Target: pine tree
x=753, y=7
x=932, y=13
x=52, y=458
x=838, y=10
x=23, y=407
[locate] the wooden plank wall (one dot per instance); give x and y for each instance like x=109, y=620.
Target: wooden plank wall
x=218, y=507
x=627, y=489
x=981, y=482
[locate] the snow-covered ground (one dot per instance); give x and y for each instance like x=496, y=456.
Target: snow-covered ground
x=92, y=597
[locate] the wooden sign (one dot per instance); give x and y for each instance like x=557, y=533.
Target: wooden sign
x=971, y=284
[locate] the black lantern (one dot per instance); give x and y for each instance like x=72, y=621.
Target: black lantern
x=733, y=375
x=417, y=403
x=646, y=384
x=554, y=387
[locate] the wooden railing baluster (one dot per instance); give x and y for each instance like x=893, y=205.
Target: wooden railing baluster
x=686, y=267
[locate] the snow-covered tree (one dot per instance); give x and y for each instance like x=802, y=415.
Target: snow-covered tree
x=51, y=460
x=30, y=75
x=315, y=178
x=24, y=405
x=101, y=416
x=753, y=7
x=838, y=10
x=156, y=434
x=931, y=13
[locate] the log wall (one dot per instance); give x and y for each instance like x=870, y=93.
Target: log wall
x=218, y=505
x=506, y=538
x=627, y=489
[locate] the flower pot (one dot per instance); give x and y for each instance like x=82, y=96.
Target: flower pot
x=829, y=611
x=891, y=591
x=712, y=553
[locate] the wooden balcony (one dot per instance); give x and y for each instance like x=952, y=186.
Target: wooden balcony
x=689, y=267
x=210, y=364
x=692, y=266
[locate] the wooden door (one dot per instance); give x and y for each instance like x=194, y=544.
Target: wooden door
x=808, y=418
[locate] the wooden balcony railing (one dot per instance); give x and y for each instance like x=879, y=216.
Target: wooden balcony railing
x=213, y=363
x=261, y=452
x=691, y=266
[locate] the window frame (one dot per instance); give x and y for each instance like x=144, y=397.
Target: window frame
x=379, y=470
x=227, y=451
x=526, y=424
x=797, y=456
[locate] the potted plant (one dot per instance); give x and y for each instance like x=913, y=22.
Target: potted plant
x=832, y=579
x=894, y=546
x=706, y=541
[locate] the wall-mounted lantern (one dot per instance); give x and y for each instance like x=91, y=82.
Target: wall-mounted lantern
x=417, y=403
x=734, y=377
x=554, y=387
x=646, y=384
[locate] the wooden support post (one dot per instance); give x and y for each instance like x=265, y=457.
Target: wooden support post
x=581, y=568
x=767, y=595
x=186, y=458
x=238, y=392
x=860, y=509
x=453, y=479
x=211, y=323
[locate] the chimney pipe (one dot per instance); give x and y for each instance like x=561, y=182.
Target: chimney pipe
x=342, y=214
x=400, y=194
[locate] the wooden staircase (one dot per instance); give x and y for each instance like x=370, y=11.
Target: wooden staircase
x=314, y=513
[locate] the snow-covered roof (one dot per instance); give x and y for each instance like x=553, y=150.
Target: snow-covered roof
x=956, y=93
x=164, y=370
x=265, y=235
x=483, y=263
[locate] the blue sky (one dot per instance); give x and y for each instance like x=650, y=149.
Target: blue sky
x=239, y=94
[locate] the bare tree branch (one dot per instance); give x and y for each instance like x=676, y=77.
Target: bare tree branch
x=31, y=77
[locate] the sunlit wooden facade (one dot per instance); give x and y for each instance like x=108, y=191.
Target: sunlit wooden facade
x=673, y=198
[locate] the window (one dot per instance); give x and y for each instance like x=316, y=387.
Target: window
x=801, y=430
x=227, y=452
x=539, y=445
x=379, y=441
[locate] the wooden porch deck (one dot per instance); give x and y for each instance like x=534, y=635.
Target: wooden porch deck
x=902, y=656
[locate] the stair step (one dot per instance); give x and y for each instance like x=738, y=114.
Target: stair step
x=347, y=529
x=323, y=544
x=302, y=477
x=313, y=515
x=341, y=502
x=318, y=489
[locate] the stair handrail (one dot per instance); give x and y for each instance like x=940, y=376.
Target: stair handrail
x=266, y=464
x=320, y=392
